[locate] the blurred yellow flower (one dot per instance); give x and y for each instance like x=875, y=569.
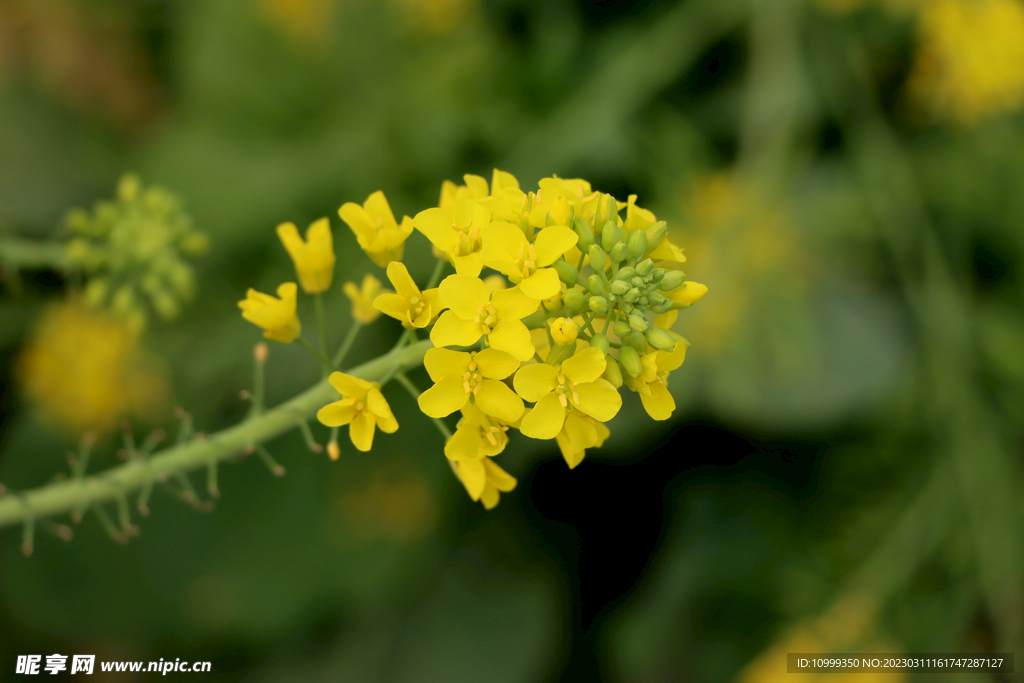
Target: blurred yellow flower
x=85, y=370
x=577, y=382
x=470, y=378
x=314, y=257
x=362, y=407
x=276, y=316
x=477, y=312
x=409, y=305
x=375, y=228
x=971, y=58
x=526, y=263
x=483, y=480
x=362, y=298
x=478, y=435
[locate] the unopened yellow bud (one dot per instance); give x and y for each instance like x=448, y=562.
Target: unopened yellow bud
x=564, y=330
x=362, y=298
x=333, y=451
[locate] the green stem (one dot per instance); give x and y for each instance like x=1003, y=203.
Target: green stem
x=435, y=277
x=23, y=253
x=328, y=365
x=350, y=338
x=321, y=325
x=62, y=497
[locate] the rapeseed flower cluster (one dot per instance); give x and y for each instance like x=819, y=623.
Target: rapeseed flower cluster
x=578, y=306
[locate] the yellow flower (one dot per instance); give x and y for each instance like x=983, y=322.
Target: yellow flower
x=451, y=194
x=276, y=316
x=86, y=370
x=564, y=330
x=363, y=408
x=577, y=383
x=456, y=233
x=476, y=312
x=652, y=384
x=470, y=378
x=483, y=480
x=689, y=293
x=413, y=307
x=362, y=299
x=507, y=250
x=579, y=433
x=375, y=228
x=313, y=258
x=478, y=435
x=575, y=191
x=506, y=202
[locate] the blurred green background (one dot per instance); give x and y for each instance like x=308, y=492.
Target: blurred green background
x=843, y=471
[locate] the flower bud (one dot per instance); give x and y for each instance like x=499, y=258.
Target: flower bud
x=596, y=285
x=600, y=342
x=585, y=232
x=664, y=307
x=612, y=372
x=655, y=298
x=618, y=252
x=657, y=274
x=636, y=340
x=621, y=328
x=610, y=213
x=638, y=323
x=573, y=300
x=632, y=295
x=598, y=304
x=610, y=236
x=626, y=273
x=643, y=301
x=553, y=304
x=644, y=268
x=656, y=233
x=637, y=244
x=630, y=360
x=659, y=339
x=567, y=272
x=618, y=287
x=672, y=280
x=598, y=261
x=564, y=330
x=637, y=281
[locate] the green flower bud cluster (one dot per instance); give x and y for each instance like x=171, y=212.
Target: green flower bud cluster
x=134, y=251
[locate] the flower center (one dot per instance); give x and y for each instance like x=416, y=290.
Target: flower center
x=493, y=432
x=417, y=304
x=486, y=317
x=469, y=239
x=527, y=260
x=471, y=379
x=566, y=390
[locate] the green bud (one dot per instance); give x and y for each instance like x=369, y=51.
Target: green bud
x=655, y=298
x=610, y=236
x=165, y=305
x=637, y=281
x=195, y=244
x=656, y=233
x=598, y=304
x=626, y=273
x=585, y=232
x=599, y=341
x=596, y=285
x=612, y=372
x=610, y=214
x=618, y=287
x=643, y=301
x=659, y=339
x=567, y=272
x=560, y=354
x=663, y=307
x=618, y=252
x=524, y=225
x=636, y=340
x=644, y=268
x=632, y=295
x=573, y=300
x=630, y=360
x=657, y=274
x=625, y=307
x=124, y=299
x=96, y=291
x=636, y=246
x=672, y=280
x=638, y=323
x=553, y=304
x=598, y=260
x=621, y=328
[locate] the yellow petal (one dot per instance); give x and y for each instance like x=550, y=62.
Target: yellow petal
x=403, y=283
x=440, y=362
x=552, y=242
x=349, y=385
x=512, y=337
x=360, y=222
x=599, y=400
x=444, y=398
x=501, y=180
x=546, y=418
x=464, y=444
x=394, y=305
x=337, y=413
x=669, y=361
x=586, y=366
x=496, y=399
x=469, y=264
x=581, y=433
x=450, y=330
x=377, y=206
x=502, y=241
x=497, y=477
x=571, y=457
x=534, y=381
x=434, y=301
x=660, y=404
x=289, y=236
x=477, y=185
x=490, y=498
x=542, y=284
x=513, y=304
x=436, y=224
x=360, y=430
x=494, y=363
x=378, y=405
x=473, y=476
x=463, y=294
